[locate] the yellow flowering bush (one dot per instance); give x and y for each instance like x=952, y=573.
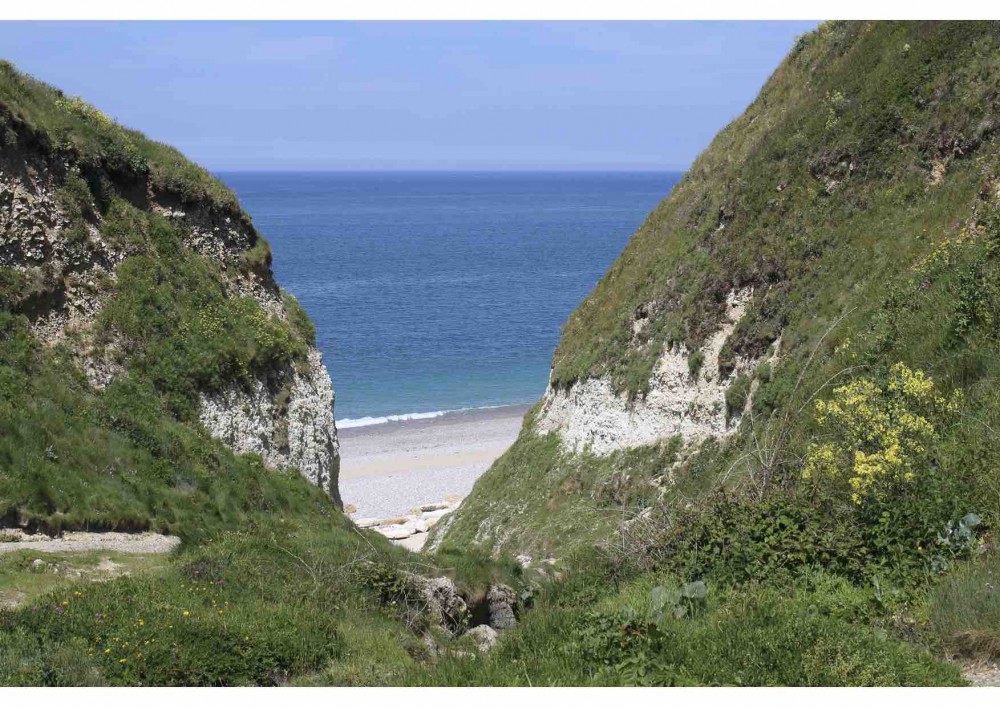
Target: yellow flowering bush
x=945, y=252
x=877, y=436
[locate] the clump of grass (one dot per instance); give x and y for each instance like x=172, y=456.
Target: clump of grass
x=695, y=362
x=759, y=635
x=965, y=610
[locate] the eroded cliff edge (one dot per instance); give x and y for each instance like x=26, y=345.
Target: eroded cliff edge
x=100, y=227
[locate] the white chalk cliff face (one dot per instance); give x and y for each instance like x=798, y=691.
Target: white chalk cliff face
x=590, y=415
x=287, y=417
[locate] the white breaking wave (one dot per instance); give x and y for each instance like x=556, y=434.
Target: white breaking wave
x=347, y=423
x=366, y=421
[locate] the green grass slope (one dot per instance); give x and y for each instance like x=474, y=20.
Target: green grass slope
x=859, y=196
x=870, y=145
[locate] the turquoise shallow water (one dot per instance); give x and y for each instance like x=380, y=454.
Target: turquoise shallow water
x=442, y=291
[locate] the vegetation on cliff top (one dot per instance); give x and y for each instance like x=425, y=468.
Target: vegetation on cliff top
x=86, y=136
x=822, y=183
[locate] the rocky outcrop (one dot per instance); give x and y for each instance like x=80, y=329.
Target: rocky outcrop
x=591, y=415
x=286, y=418
x=285, y=415
x=437, y=597
x=67, y=270
x=501, y=601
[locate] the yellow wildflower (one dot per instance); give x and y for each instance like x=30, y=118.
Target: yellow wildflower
x=878, y=433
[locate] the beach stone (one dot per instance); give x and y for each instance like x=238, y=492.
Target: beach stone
x=429, y=507
x=418, y=525
x=397, y=520
x=501, y=600
x=395, y=532
x=434, y=515
x=483, y=636
x=414, y=543
x=366, y=522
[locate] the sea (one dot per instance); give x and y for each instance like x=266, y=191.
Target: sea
x=435, y=292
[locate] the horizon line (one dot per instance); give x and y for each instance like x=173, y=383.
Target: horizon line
x=353, y=170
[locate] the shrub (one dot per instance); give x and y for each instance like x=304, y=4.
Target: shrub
x=881, y=435
x=695, y=361
x=736, y=396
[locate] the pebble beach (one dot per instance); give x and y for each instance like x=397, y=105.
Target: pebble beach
x=393, y=468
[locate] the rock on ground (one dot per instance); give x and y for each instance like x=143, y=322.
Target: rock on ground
x=501, y=600
x=410, y=531
x=439, y=598
x=483, y=636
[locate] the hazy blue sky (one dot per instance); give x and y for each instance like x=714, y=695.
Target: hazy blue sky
x=413, y=95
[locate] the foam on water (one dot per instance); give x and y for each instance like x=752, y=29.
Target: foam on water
x=367, y=421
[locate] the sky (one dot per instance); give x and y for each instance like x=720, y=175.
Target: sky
x=423, y=95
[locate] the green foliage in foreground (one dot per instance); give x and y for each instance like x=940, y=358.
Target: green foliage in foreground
x=253, y=606
x=584, y=632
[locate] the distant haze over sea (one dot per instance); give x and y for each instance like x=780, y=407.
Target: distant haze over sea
x=439, y=291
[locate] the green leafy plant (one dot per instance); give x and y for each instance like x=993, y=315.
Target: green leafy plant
x=669, y=602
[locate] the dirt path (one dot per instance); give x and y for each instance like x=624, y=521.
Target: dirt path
x=982, y=675
x=138, y=543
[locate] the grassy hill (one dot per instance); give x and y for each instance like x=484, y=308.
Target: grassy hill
x=858, y=198
x=272, y=583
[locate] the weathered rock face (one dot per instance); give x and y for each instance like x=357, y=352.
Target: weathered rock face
x=33, y=235
x=501, y=600
x=591, y=415
x=286, y=416
x=287, y=419
x=438, y=597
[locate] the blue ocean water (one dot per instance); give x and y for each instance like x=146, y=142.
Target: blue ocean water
x=437, y=291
